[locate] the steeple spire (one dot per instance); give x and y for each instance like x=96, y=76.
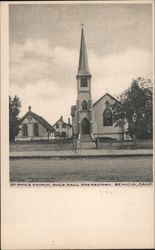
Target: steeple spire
x=83, y=69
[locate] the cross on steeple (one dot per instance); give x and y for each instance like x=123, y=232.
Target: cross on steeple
x=82, y=24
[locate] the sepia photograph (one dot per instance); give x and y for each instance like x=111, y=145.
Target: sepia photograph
x=77, y=97
x=80, y=92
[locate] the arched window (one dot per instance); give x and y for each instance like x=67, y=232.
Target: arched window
x=36, y=130
x=25, y=130
x=84, y=105
x=107, y=117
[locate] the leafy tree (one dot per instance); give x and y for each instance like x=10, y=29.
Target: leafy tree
x=135, y=106
x=14, y=110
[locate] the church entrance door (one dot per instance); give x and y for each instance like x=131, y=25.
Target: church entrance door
x=85, y=125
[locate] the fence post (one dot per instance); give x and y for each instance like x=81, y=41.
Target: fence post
x=78, y=144
x=74, y=144
x=97, y=143
x=135, y=144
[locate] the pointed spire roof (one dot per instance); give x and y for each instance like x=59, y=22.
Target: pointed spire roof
x=83, y=69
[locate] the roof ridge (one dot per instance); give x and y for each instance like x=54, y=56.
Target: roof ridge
x=62, y=121
x=40, y=119
x=105, y=95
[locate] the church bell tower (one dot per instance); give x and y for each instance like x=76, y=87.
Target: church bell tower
x=84, y=101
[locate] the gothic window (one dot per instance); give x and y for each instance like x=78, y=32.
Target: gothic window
x=36, y=130
x=84, y=82
x=107, y=117
x=25, y=130
x=57, y=125
x=84, y=105
x=63, y=134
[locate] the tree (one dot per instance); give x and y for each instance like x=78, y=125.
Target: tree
x=135, y=106
x=14, y=110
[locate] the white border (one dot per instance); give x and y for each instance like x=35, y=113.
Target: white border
x=52, y=218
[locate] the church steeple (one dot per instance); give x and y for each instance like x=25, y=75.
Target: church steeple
x=83, y=68
x=84, y=101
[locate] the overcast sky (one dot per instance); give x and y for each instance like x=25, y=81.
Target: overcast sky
x=44, y=52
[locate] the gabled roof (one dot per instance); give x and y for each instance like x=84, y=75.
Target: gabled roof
x=104, y=96
x=67, y=124
x=83, y=69
x=39, y=119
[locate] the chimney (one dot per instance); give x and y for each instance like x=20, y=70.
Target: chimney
x=61, y=118
x=29, y=108
x=69, y=121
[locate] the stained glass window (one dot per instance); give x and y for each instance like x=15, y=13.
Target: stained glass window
x=107, y=117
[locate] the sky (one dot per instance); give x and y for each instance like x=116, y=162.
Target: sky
x=44, y=43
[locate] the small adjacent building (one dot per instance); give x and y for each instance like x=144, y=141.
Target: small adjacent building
x=63, y=130
x=34, y=127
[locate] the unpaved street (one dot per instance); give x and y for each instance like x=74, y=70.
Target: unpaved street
x=94, y=169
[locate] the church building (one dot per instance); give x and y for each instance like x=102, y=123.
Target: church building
x=34, y=127
x=90, y=120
